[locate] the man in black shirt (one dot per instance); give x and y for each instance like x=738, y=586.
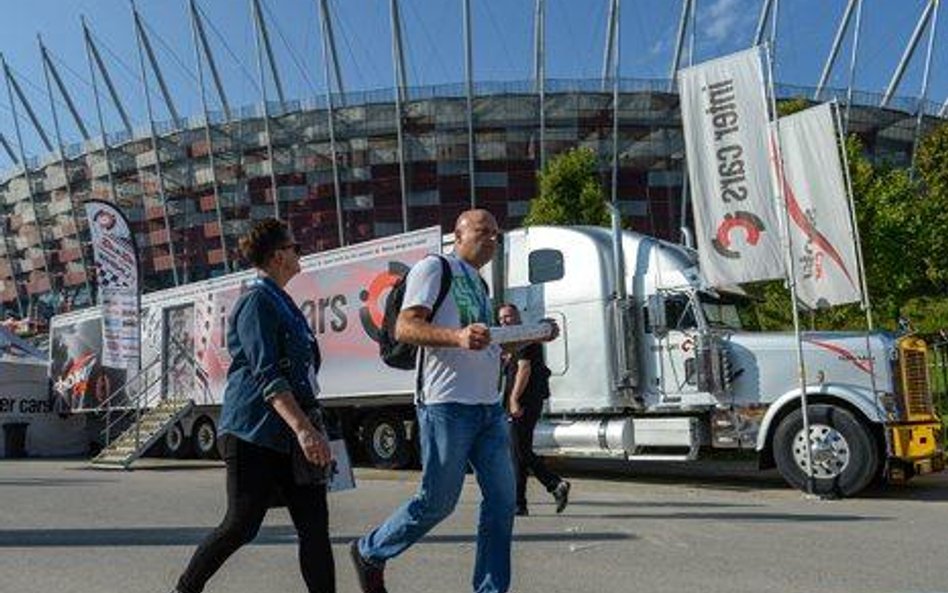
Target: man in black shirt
x=526, y=385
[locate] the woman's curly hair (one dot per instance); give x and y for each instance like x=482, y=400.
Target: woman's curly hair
x=263, y=240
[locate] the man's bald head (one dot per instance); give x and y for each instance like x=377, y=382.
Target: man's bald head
x=475, y=236
x=474, y=217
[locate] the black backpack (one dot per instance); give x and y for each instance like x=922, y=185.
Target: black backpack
x=400, y=355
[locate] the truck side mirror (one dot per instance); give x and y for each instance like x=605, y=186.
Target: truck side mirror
x=657, y=324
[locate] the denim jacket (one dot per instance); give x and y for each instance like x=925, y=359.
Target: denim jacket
x=269, y=355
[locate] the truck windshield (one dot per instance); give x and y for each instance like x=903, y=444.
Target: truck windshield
x=718, y=312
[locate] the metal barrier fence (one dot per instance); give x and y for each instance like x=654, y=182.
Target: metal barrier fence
x=938, y=371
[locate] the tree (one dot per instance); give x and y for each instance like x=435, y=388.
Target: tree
x=787, y=107
x=903, y=226
x=931, y=160
x=570, y=192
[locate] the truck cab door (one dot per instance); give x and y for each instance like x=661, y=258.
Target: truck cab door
x=522, y=270
x=671, y=335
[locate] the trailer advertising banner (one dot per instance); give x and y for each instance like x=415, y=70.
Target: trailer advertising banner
x=211, y=310
x=343, y=293
x=80, y=381
x=116, y=260
x=725, y=124
x=25, y=400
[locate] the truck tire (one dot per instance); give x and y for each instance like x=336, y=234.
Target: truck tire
x=204, y=439
x=845, y=454
x=176, y=444
x=386, y=443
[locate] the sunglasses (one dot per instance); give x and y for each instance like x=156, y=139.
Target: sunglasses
x=296, y=247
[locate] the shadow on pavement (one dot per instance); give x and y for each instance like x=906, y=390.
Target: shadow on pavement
x=50, y=482
x=158, y=465
x=736, y=517
x=650, y=504
x=929, y=488
x=268, y=535
x=736, y=475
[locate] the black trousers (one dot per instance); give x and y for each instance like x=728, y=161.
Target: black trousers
x=524, y=458
x=254, y=474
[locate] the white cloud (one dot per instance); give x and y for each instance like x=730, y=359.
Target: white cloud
x=659, y=47
x=723, y=18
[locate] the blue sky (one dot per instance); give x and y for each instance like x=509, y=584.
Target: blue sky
x=503, y=31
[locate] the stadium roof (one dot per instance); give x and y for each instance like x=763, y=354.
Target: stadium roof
x=289, y=50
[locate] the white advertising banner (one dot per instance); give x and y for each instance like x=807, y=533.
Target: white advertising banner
x=725, y=122
x=820, y=226
x=116, y=261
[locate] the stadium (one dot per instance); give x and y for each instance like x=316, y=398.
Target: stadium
x=347, y=167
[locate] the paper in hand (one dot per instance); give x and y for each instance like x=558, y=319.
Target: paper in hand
x=527, y=332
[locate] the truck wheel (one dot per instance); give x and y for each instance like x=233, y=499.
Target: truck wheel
x=385, y=441
x=204, y=439
x=176, y=444
x=845, y=456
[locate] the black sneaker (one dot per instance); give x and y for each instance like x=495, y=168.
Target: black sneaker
x=522, y=511
x=371, y=577
x=561, y=495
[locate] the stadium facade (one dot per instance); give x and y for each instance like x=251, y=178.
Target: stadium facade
x=190, y=188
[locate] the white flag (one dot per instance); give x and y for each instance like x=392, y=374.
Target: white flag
x=725, y=122
x=116, y=260
x=820, y=226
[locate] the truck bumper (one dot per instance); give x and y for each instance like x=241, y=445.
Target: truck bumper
x=914, y=449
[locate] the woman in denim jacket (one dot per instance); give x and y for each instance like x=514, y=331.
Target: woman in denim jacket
x=265, y=420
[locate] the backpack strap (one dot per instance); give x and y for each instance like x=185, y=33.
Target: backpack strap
x=446, y=278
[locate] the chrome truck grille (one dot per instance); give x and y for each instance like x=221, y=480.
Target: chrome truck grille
x=916, y=391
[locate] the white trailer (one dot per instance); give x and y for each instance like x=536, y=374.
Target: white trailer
x=653, y=367
x=185, y=359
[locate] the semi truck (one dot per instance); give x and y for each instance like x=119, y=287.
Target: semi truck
x=651, y=364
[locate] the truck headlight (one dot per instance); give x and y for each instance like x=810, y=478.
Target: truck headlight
x=890, y=404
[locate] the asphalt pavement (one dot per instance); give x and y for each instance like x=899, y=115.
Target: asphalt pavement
x=713, y=528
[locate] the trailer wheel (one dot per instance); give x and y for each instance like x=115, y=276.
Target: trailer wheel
x=844, y=451
x=176, y=444
x=385, y=441
x=204, y=439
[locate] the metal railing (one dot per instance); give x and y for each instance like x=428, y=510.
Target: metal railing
x=140, y=400
x=938, y=372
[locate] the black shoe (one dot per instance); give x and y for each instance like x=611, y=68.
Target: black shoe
x=561, y=495
x=522, y=511
x=371, y=577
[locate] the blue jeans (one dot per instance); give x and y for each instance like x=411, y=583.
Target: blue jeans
x=451, y=435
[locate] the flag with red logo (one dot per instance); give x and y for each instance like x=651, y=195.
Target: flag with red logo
x=725, y=124
x=116, y=260
x=820, y=224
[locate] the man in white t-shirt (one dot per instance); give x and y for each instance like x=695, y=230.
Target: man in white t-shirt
x=460, y=416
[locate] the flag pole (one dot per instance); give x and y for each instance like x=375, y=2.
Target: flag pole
x=860, y=264
x=791, y=268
